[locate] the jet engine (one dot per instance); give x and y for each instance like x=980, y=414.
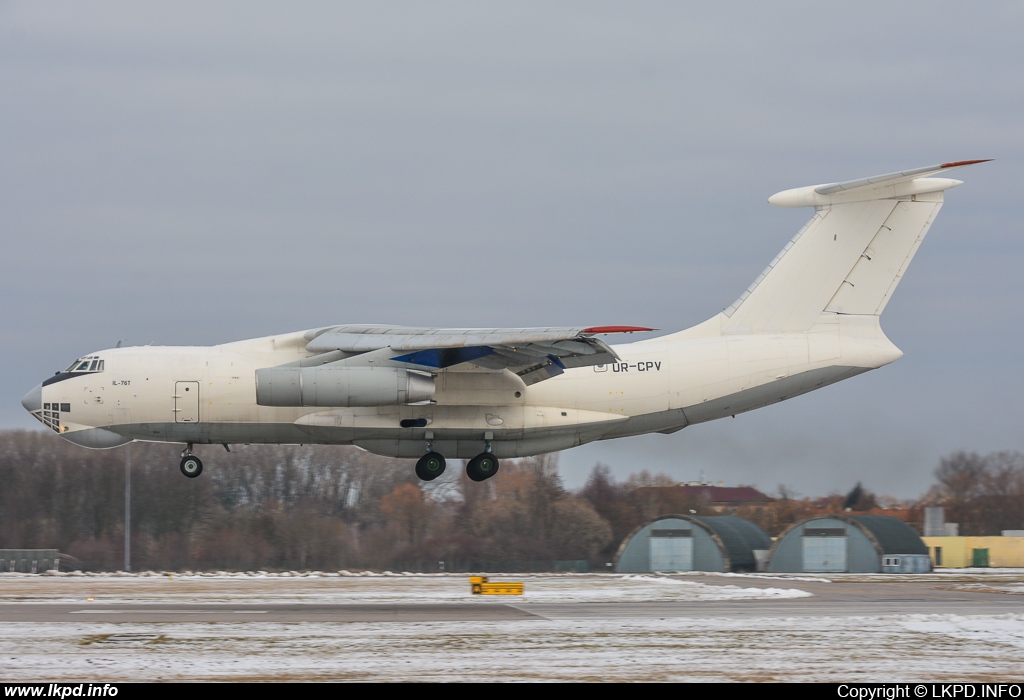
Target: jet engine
x=336, y=386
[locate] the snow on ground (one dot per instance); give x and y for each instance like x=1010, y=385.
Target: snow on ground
x=902, y=648
x=339, y=589
x=996, y=587
x=927, y=648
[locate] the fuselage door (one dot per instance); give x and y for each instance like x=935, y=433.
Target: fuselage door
x=186, y=402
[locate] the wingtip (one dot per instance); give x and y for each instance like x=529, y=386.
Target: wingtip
x=617, y=329
x=958, y=163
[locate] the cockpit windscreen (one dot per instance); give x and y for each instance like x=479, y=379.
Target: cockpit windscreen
x=85, y=364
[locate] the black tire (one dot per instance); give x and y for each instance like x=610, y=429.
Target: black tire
x=482, y=467
x=191, y=466
x=430, y=466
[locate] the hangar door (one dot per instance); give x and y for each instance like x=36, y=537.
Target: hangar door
x=671, y=550
x=186, y=402
x=825, y=549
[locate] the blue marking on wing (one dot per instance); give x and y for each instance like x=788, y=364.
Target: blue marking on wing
x=445, y=357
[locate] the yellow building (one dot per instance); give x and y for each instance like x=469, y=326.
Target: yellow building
x=962, y=552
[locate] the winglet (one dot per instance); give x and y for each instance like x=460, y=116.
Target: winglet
x=958, y=163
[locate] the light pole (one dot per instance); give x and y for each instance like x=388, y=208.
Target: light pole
x=128, y=507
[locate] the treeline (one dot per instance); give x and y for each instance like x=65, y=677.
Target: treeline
x=294, y=507
x=331, y=508
x=983, y=493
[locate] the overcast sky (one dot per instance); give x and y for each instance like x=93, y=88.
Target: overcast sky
x=195, y=173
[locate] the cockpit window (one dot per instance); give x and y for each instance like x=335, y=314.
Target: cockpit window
x=86, y=364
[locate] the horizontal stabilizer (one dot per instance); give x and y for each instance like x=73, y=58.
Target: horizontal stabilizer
x=902, y=184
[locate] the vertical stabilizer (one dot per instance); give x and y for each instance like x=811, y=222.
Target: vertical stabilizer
x=849, y=257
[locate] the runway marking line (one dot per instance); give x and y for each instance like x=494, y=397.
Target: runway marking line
x=164, y=612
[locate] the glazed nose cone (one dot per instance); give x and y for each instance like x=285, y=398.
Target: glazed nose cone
x=33, y=400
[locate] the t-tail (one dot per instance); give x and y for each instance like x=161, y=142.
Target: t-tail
x=847, y=260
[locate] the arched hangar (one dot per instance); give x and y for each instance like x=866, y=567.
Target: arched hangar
x=849, y=544
x=693, y=543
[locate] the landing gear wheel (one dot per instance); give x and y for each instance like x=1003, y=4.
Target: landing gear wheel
x=191, y=466
x=430, y=466
x=481, y=467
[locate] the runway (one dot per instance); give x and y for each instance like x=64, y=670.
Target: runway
x=946, y=627
x=835, y=599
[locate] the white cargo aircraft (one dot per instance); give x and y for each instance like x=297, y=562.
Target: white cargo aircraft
x=810, y=319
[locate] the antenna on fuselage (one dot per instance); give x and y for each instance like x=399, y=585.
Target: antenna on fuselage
x=119, y=342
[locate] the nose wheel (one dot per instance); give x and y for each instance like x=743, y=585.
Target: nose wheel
x=191, y=466
x=430, y=466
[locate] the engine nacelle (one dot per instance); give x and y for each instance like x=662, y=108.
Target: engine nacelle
x=331, y=387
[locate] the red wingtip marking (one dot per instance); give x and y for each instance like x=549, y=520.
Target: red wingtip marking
x=958, y=163
x=617, y=329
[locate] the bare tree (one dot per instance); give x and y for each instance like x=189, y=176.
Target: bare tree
x=984, y=494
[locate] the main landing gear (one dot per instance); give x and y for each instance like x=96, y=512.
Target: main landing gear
x=191, y=466
x=430, y=466
x=482, y=467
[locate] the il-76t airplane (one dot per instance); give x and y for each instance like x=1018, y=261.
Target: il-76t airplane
x=810, y=319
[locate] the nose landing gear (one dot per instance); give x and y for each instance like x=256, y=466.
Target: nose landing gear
x=191, y=466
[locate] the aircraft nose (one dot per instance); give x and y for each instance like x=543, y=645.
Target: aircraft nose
x=33, y=400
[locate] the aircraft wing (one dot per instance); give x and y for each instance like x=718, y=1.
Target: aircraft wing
x=535, y=354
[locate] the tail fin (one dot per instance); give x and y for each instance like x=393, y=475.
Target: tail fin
x=849, y=257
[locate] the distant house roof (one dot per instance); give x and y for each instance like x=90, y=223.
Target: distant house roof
x=725, y=495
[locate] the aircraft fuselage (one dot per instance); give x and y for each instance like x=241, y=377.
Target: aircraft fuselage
x=205, y=395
